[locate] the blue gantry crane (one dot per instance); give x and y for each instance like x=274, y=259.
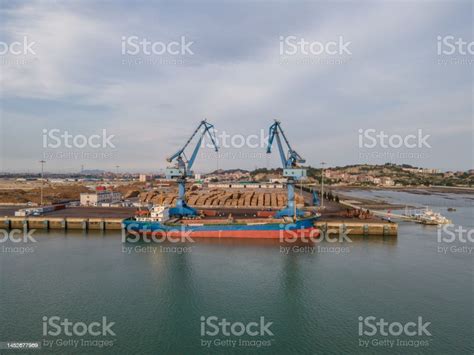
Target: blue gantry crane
x=183, y=166
x=291, y=170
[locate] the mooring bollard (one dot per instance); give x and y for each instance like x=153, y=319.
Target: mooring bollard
x=7, y=223
x=366, y=229
x=343, y=228
x=325, y=228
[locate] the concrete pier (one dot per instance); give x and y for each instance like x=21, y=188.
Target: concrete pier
x=61, y=223
x=359, y=228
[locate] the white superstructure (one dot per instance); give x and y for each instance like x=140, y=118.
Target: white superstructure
x=158, y=213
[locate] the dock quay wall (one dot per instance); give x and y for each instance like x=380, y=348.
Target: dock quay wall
x=61, y=223
x=329, y=226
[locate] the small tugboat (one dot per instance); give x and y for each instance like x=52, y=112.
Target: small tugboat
x=430, y=217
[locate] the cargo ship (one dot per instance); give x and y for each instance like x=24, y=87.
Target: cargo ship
x=185, y=221
x=156, y=221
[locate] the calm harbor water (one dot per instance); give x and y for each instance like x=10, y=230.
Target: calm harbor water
x=160, y=296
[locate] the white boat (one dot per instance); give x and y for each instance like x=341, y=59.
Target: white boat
x=431, y=218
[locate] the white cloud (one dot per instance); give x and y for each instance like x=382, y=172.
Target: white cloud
x=391, y=79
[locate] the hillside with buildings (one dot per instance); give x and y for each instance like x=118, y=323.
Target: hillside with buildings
x=386, y=175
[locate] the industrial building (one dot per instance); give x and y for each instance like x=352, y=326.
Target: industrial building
x=99, y=198
x=144, y=178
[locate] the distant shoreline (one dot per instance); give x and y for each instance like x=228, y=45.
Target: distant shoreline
x=424, y=190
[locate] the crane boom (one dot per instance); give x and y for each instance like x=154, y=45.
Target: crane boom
x=290, y=160
x=209, y=129
x=183, y=167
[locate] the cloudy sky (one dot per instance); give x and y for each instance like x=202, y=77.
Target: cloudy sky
x=384, y=66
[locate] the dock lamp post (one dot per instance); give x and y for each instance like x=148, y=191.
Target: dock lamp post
x=42, y=180
x=322, y=184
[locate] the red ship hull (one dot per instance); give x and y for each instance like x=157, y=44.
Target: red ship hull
x=253, y=234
